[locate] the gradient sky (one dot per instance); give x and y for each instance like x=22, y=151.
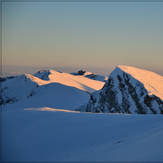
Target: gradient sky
x=82, y=35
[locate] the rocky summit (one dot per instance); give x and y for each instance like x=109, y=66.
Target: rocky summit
x=129, y=90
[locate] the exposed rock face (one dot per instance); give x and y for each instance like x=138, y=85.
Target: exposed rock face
x=17, y=88
x=91, y=75
x=123, y=93
x=81, y=72
x=43, y=74
x=2, y=79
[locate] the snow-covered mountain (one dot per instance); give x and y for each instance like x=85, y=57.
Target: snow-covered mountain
x=129, y=90
x=39, y=121
x=90, y=75
x=49, y=88
x=2, y=79
x=43, y=74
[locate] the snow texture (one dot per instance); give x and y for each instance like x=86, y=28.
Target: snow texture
x=49, y=134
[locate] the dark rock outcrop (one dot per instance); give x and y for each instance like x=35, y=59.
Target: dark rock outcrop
x=122, y=93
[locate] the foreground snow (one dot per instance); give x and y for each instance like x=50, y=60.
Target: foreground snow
x=51, y=134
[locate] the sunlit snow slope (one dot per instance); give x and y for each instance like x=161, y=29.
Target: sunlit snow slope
x=151, y=81
x=51, y=88
x=129, y=90
x=70, y=80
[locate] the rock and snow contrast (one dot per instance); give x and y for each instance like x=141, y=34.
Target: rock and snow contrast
x=90, y=75
x=39, y=121
x=129, y=90
x=50, y=88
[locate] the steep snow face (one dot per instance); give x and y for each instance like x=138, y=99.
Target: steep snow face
x=151, y=81
x=129, y=90
x=91, y=75
x=27, y=86
x=18, y=88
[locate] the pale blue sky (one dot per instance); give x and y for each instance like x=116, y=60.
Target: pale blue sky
x=82, y=35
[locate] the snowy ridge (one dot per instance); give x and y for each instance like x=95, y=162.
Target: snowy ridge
x=90, y=75
x=2, y=79
x=43, y=74
x=129, y=90
x=151, y=81
x=18, y=88
x=70, y=80
x=26, y=86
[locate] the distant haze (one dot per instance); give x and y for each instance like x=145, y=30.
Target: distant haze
x=18, y=70
x=70, y=36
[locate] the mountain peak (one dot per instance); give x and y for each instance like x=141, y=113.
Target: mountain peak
x=129, y=90
x=43, y=74
x=26, y=86
x=151, y=81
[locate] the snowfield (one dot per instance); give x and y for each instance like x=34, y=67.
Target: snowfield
x=40, y=121
x=49, y=134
